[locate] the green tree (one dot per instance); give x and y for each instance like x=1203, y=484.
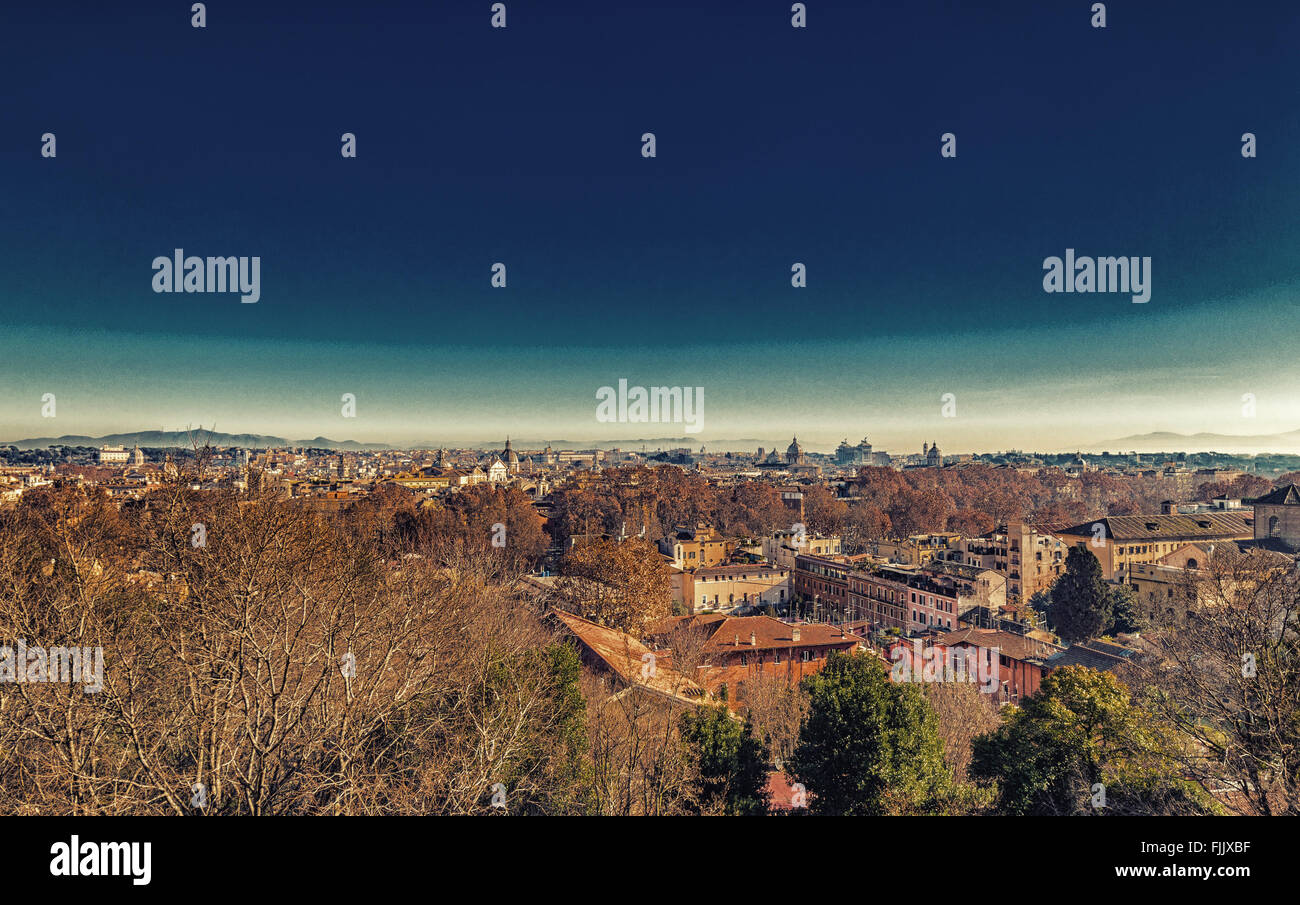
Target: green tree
x=1081, y=729
x=1080, y=607
x=869, y=746
x=1123, y=611
x=731, y=762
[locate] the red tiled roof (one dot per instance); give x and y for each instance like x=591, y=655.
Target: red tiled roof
x=1018, y=647
x=626, y=657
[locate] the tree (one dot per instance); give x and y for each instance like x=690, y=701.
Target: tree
x=1228, y=679
x=638, y=762
x=869, y=746
x=1080, y=607
x=754, y=509
x=500, y=521
x=964, y=713
x=1124, y=617
x=775, y=707
x=731, y=762
x=271, y=664
x=823, y=513
x=970, y=522
x=1041, y=602
x=920, y=510
x=1080, y=730
x=863, y=523
x=621, y=584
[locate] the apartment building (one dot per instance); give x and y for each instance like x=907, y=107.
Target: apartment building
x=916, y=599
x=693, y=548
x=1008, y=665
x=725, y=589
x=917, y=549
x=783, y=546
x=912, y=599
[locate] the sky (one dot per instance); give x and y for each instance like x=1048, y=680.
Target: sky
x=774, y=145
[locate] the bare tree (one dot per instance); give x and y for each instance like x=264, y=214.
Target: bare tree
x=1225, y=672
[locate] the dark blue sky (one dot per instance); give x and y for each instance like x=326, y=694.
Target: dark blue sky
x=522, y=145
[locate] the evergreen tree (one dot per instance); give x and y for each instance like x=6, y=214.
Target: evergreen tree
x=731, y=762
x=1081, y=602
x=1123, y=611
x=869, y=746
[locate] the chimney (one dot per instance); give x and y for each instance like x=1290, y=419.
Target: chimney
x=1167, y=507
x=795, y=634
x=737, y=641
x=753, y=640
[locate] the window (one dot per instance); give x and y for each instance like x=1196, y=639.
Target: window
x=807, y=656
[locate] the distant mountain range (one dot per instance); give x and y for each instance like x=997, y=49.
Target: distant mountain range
x=1165, y=441
x=186, y=439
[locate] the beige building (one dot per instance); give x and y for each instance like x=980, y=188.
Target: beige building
x=1034, y=560
x=1169, y=590
x=1163, y=589
x=783, y=546
x=725, y=589
x=1122, y=541
x=917, y=549
x=693, y=548
x=1277, y=518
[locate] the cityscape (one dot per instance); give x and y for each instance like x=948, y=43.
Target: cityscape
x=721, y=585
x=489, y=409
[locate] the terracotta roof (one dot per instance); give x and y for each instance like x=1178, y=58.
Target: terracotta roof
x=626, y=657
x=770, y=633
x=664, y=627
x=781, y=792
x=1018, y=647
x=740, y=569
